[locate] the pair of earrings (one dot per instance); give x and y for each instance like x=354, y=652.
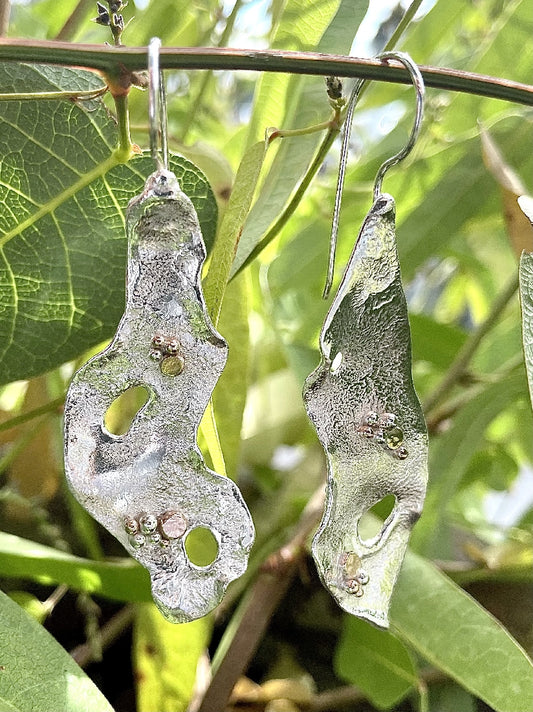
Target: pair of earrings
x=151, y=488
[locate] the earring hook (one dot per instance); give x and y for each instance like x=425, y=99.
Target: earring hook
x=418, y=83
x=157, y=107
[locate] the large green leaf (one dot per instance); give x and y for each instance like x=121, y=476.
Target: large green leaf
x=122, y=579
x=450, y=455
x=62, y=242
x=232, y=226
x=454, y=633
x=376, y=661
x=229, y=396
x=37, y=673
x=319, y=25
x=165, y=659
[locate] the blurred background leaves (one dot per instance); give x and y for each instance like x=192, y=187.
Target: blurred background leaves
x=459, y=245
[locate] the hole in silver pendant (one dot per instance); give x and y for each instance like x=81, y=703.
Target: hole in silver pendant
x=370, y=524
x=122, y=411
x=201, y=547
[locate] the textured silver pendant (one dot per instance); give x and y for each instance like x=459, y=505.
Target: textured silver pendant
x=150, y=487
x=363, y=405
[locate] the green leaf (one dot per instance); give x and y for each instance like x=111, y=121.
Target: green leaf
x=122, y=579
x=493, y=466
x=374, y=660
x=308, y=26
x=526, y=301
x=449, y=697
x=229, y=396
x=454, y=633
x=446, y=195
x=434, y=342
x=232, y=226
x=165, y=659
x=450, y=455
x=37, y=673
x=62, y=241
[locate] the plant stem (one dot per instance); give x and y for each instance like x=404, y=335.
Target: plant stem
x=55, y=95
x=125, y=146
x=291, y=206
x=54, y=598
x=56, y=404
x=135, y=58
x=459, y=366
x=288, y=133
x=20, y=445
x=244, y=633
x=443, y=412
x=197, y=103
x=349, y=696
x=402, y=25
x=113, y=629
x=5, y=9
x=74, y=20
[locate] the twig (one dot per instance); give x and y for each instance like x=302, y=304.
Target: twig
x=443, y=412
x=135, y=58
x=54, y=598
x=56, y=405
x=109, y=632
x=251, y=619
x=291, y=206
x=348, y=696
x=458, y=368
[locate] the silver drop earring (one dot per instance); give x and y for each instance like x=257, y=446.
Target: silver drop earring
x=150, y=487
x=363, y=405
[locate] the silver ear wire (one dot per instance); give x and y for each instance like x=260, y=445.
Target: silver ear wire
x=343, y=160
x=157, y=107
x=418, y=83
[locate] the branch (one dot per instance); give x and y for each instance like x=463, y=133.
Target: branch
x=347, y=697
x=74, y=20
x=109, y=59
x=246, y=629
x=458, y=368
x=5, y=10
x=109, y=632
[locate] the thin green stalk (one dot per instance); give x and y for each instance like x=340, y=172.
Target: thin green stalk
x=19, y=446
x=5, y=9
x=75, y=20
x=54, y=598
x=55, y=95
x=84, y=526
x=288, y=133
x=55, y=404
x=318, y=160
x=402, y=25
x=108, y=60
x=206, y=79
x=459, y=366
x=125, y=146
x=450, y=406
x=109, y=632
